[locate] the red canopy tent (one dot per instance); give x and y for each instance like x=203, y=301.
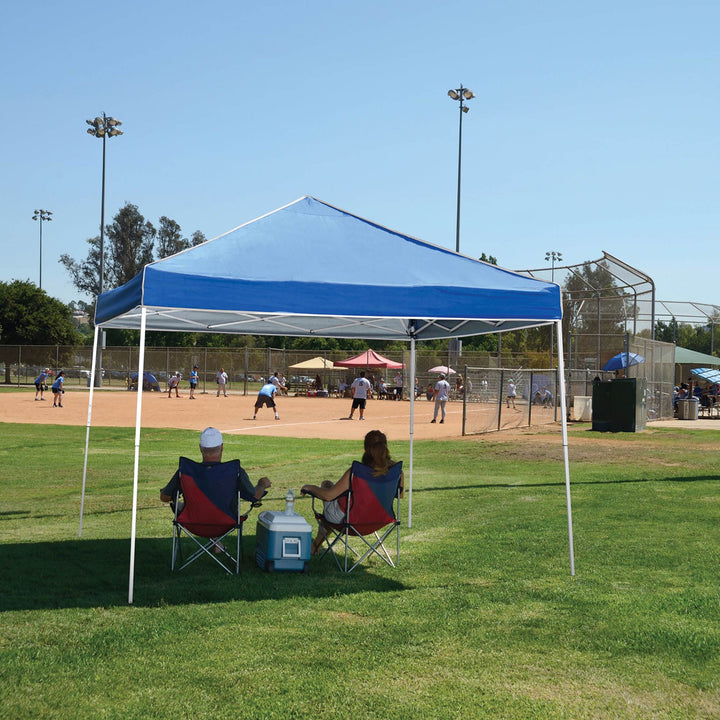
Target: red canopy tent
x=369, y=359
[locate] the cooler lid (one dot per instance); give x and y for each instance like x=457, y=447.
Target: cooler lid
x=279, y=521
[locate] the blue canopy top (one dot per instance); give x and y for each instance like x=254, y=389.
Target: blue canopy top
x=309, y=268
x=708, y=374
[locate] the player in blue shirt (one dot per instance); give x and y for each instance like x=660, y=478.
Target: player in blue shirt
x=266, y=397
x=57, y=390
x=40, y=383
x=193, y=381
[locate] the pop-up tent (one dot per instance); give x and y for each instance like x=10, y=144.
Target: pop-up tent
x=316, y=363
x=369, y=359
x=226, y=285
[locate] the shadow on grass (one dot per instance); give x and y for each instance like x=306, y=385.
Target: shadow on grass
x=95, y=573
x=561, y=483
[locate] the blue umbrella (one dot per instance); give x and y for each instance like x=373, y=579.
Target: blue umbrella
x=708, y=374
x=616, y=362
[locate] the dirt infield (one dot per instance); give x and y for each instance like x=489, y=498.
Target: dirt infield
x=300, y=417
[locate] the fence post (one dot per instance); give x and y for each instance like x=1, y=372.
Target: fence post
x=500, y=396
x=465, y=395
x=245, y=373
x=530, y=401
x=205, y=370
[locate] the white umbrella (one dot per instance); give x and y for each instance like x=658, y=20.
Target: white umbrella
x=444, y=369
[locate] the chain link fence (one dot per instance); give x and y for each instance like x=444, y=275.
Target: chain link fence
x=483, y=376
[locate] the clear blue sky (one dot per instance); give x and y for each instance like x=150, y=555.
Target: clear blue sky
x=595, y=125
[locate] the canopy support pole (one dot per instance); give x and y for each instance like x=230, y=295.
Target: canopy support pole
x=89, y=422
x=411, y=385
x=138, y=418
x=566, y=460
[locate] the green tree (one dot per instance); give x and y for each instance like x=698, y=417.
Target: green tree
x=29, y=316
x=131, y=239
x=86, y=273
x=198, y=238
x=170, y=239
x=130, y=242
x=128, y=248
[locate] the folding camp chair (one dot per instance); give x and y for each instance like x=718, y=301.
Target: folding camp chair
x=372, y=513
x=210, y=513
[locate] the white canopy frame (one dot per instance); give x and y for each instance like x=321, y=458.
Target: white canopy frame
x=416, y=307
x=138, y=426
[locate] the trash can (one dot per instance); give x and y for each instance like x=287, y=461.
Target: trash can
x=688, y=409
x=583, y=408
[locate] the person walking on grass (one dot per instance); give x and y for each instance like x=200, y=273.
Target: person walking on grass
x=266, y=398
x=441, y=395
x=360, y=390
x=57, y=389
x=221, y=379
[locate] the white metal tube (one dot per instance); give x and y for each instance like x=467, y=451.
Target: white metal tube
x=138, y=418
x=412, y=421
x=87, y=431
x=566, y=460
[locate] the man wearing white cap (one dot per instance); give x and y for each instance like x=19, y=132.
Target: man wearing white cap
x=211, y=449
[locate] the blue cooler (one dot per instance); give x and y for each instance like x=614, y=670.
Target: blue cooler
x=282, y=539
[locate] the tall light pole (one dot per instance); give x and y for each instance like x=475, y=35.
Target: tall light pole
x=552, y=256
x=42, y=216
x=103, y=127
x=461, y=94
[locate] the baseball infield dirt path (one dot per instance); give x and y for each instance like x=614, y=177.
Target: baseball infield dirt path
x=299, y=416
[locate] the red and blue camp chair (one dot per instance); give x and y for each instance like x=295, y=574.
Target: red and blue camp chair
x=372, y=514
x=209, y=515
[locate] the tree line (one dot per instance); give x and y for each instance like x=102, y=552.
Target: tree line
x=28, y=316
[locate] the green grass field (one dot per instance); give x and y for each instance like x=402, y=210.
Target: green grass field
x=480, y=620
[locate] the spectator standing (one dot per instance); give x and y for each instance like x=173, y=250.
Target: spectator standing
x=221, y=379
x=360, y=389
x=441, y=394
x=484, y=390
x=278, y=383
x=399, y=385
x=511, y=393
